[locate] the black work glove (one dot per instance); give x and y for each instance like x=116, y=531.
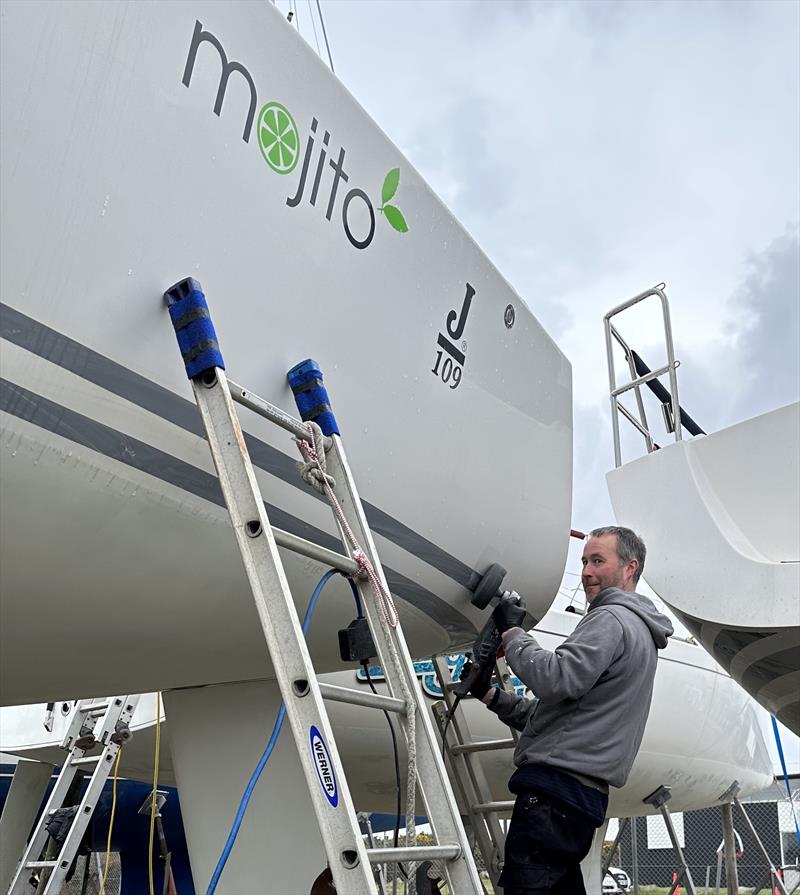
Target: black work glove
x=508, y=615
x=478, y=687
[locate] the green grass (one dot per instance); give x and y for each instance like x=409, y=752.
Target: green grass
x=643, y=890
x=665, y=890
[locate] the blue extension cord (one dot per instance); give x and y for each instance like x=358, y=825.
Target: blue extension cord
x=785, y=775
x=251, y=785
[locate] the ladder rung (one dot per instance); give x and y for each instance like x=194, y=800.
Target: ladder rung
x=94, y=708
x=413, y=853
x=87, y=759
x=314, y=551
x=35, y=865
x=360, y=697
x=490, y=807
x=485, y=746
x=284, y=638
x=274, y=414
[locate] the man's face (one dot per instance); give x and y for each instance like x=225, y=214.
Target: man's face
x=602, y=567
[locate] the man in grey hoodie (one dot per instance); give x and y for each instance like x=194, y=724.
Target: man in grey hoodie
x=582, y=731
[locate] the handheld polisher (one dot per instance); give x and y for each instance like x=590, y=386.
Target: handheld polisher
x=489, y=640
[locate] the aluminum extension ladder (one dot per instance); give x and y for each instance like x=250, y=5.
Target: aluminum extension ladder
x=350, y=860
x=466, y=769
x=92, y=724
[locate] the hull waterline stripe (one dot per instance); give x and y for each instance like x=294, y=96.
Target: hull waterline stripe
x=771, y=677
x=769, y=670
x=59, y=349
x=39, y=411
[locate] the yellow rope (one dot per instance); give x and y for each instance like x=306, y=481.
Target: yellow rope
x=154, y=798
x=111, y=822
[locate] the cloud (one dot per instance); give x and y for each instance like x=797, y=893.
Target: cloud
x=766, y=326
x=750, y=363
x=751, y=366
x=593, y=457
x=594, y=149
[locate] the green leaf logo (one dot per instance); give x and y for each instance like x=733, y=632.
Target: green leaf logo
x=391, y=212
x=390, y=184
x=395, y=217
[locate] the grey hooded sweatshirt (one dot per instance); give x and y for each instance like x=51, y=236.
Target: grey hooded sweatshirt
x=593, y=692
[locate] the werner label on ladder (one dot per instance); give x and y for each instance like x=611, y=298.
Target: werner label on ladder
x=327, y=470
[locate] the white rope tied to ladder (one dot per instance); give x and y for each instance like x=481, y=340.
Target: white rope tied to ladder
x=313, y=468
x=314, y=472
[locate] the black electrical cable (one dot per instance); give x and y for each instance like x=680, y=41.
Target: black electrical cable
x=398, y=812
x=450, y=714
x=356, y=595
x=365, y=666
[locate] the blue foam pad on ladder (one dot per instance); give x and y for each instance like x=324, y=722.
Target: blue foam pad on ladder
x=191, y=320
x=311, y=397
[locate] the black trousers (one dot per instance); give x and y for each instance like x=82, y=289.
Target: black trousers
x=545, y=844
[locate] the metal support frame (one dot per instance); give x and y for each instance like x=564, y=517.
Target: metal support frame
x=350, y=860
x=658, y=800
x=615, y=845
x=774, y=877
x=164, y=852
x=635, y=856
x=795, y=868
x=23, y=801
x=729, y=840
x=467, y=771
x=364, y=818
x=92, y=724
x=636, y=381
x=472, y=786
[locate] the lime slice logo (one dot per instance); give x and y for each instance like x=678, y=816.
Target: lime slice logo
x=278, y=138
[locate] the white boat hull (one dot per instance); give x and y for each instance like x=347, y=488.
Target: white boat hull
x=719, y=515
x=116, y=557
x=697, y=744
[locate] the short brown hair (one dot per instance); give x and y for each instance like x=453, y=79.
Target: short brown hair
x=629, y=545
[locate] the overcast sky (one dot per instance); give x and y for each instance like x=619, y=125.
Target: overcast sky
x=596, y=149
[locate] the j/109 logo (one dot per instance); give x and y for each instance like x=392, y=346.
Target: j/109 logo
x=280, y=144
x=451, y=368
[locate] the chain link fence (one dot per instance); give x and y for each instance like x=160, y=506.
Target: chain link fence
x=699, y=833
x=88, y=875
x=700, y=836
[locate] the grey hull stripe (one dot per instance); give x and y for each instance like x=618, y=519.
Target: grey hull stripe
x=46, y=414
x=59, y=349
x=771, y=677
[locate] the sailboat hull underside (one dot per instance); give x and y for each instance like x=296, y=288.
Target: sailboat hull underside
x=117, y=561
